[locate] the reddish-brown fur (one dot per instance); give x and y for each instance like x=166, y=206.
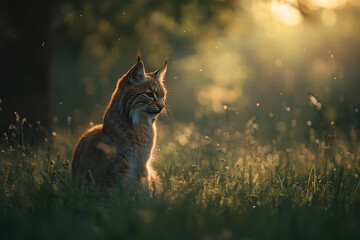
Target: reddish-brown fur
x=121, y=147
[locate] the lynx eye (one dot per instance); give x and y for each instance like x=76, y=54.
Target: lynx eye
x=149, y=95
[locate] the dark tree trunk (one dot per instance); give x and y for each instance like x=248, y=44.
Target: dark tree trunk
x=25, y=61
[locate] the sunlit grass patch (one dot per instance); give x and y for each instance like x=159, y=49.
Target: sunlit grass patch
x=219, y=185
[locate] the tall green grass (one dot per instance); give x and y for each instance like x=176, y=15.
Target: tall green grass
x=224, y=185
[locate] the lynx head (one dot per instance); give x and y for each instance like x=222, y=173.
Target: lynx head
x=143, y=94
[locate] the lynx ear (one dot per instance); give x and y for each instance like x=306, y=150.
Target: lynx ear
x=136, y=74
x=160, y=74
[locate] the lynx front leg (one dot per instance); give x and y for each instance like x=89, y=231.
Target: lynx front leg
x=144, y=180
x=149, y=180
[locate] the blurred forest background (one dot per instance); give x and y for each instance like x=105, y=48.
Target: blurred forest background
x=229, y=61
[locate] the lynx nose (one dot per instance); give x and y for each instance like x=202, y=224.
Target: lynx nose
x=161, y=106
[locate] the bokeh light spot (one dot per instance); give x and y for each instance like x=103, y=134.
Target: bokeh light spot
x=328, y=17
x=285, y=13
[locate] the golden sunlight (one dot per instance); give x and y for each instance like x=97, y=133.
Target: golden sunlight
x=327, y=3
x=285, y=13
x=328, y=17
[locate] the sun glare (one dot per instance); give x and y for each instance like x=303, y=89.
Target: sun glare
x=285, y=13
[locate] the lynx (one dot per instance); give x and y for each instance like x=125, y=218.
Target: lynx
x=121, y=147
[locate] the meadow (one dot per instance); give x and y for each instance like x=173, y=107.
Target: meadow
x=262, y=140
x=225, y=184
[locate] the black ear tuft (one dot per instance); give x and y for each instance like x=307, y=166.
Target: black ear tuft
x=138, y=56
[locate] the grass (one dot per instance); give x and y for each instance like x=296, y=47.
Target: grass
x=226, y=185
